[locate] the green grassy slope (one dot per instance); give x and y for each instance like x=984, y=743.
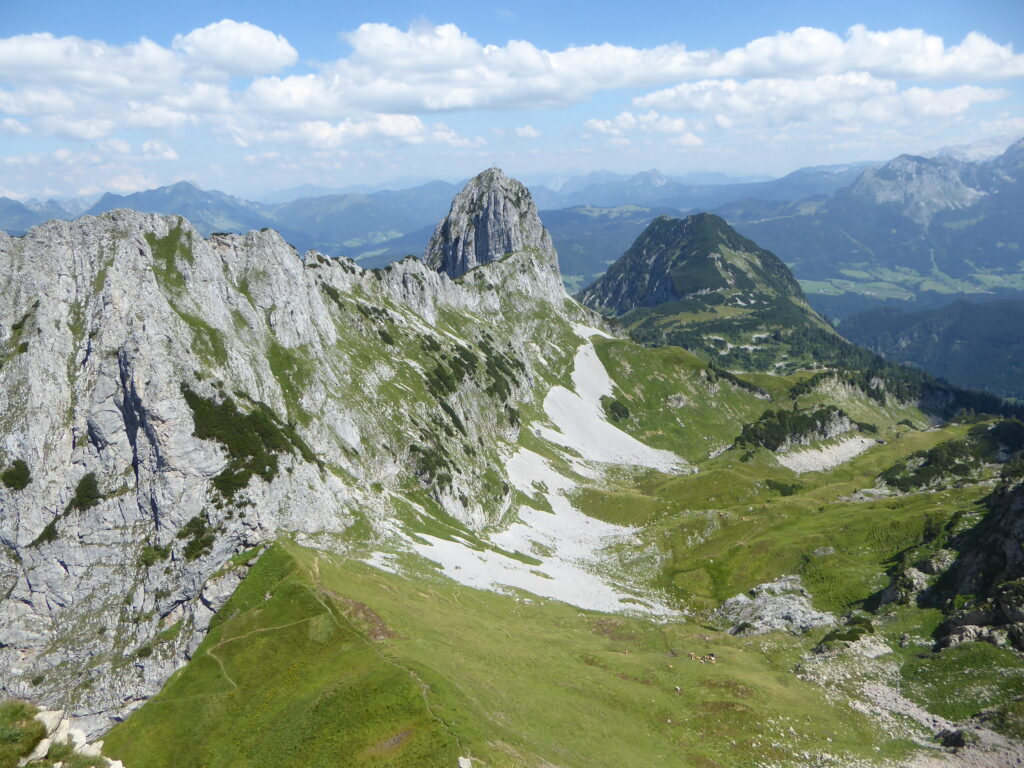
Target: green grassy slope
x=319, y=660
x=729, y=527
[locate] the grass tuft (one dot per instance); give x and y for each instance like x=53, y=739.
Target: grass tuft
x=17, y=476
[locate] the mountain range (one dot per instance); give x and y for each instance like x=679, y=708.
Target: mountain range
x=915, y=233
x=263, y=507
x=915, y=229
x=910, y=227
x=352, y=222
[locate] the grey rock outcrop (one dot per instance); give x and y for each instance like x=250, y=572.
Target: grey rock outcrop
x=59, y=731
x=782, y=604
x=937, y=563
x=992, y=552
x=984, y=568
x=491, y=217
x=905, y=586
x=110, y=324
x=975, y=633
x=834, y=424
x=999, y=619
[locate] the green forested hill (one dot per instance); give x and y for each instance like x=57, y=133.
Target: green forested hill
x=697, y=283
x=976, y=345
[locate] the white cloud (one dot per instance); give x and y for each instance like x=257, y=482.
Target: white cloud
x=329, y=135
x=89, y=128
x=423, y=48
x=116, y=146
x=132, y=180
x=236, y=48
x=13, y=127
x=648, y=122
x=900, y=53
x=299, y=94
x=30, y=158
x=442, y=134
x=686, y=140
x=262, y=157
x=614, y=127
x=440, y=68
x=201, y=98
x=89, y=66
x=154, y=149
x=852, y=98
x=430, y=68
x=1005, y=124
x=224, y=82
x=909, y=53
x=108, y=165
x=34, y=100
x=321, y=134
x=144, y=115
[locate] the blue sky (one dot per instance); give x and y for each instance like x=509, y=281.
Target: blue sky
x=248, y=97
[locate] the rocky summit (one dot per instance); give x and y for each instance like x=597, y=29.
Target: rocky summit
x=919, y=187
x=491, y=217
x=906, y=229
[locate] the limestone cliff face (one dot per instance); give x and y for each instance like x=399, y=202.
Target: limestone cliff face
x=832, y=424
x=983, y=569
x=492, y=216
x=991, y=553
x=173, y=401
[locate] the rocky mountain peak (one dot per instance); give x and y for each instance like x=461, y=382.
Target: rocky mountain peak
x=492, y=216
x=1012, y=160
x=652, y=177
x=920, y=187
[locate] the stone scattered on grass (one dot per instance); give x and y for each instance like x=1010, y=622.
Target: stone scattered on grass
x=782, y=604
